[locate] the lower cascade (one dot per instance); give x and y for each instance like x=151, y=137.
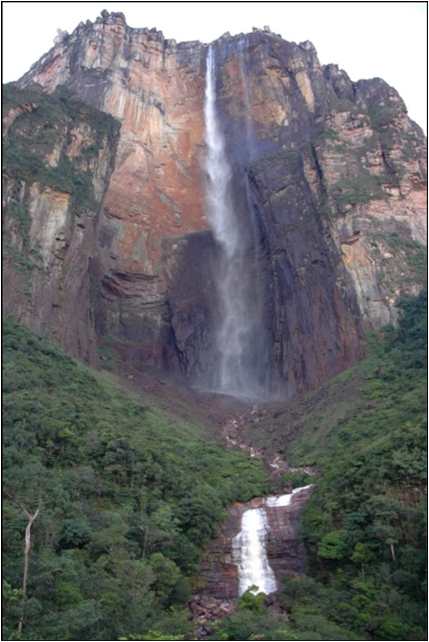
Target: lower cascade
x=278, y=501
x=249, y=546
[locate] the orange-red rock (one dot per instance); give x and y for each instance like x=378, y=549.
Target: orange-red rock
x=332, y=170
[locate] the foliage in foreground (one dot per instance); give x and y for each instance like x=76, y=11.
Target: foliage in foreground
x=127, y=499
x=254, y=621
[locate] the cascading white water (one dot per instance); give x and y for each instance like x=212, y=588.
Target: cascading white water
x=276, y=501
x=238, y=332
x=249, y=546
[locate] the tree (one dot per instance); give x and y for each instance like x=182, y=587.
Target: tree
x=27, y=548
x=333, y=546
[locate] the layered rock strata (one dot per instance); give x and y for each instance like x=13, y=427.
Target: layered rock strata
x=333, y=172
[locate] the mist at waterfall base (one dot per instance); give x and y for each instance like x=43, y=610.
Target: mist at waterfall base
x=249, y=547
x=241, y=359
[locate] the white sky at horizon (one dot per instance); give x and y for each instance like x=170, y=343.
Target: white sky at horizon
x=367, y=40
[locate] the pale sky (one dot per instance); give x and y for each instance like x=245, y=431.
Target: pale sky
x=366, y=39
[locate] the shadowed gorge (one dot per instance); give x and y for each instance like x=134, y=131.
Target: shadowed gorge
x=214, y=272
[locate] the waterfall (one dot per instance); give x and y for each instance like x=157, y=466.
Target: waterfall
x=238, y=368
x=277, y=501
x=249, y=546
x=221, y=215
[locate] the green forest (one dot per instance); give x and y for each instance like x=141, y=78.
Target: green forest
x=127, y=498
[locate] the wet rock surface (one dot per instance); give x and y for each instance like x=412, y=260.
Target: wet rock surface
x=285, y=550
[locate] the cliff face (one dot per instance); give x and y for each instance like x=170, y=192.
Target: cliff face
x=332, y=171
x=58, y=157
x=337, y=175
x=156, y=90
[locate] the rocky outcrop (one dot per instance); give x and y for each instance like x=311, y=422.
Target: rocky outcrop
x=58, y=159
x=331, y=170
x=285, y=550
x=206, y=611
x=155, y=88
x=377, y=201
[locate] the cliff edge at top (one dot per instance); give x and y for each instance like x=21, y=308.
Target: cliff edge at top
x=334, y=171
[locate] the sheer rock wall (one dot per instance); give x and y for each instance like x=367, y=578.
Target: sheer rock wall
x=332, y=170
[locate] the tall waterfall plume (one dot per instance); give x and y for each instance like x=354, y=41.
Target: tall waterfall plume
x=239, y=364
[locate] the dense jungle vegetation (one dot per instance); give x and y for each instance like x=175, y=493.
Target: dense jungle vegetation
x=126, y=495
